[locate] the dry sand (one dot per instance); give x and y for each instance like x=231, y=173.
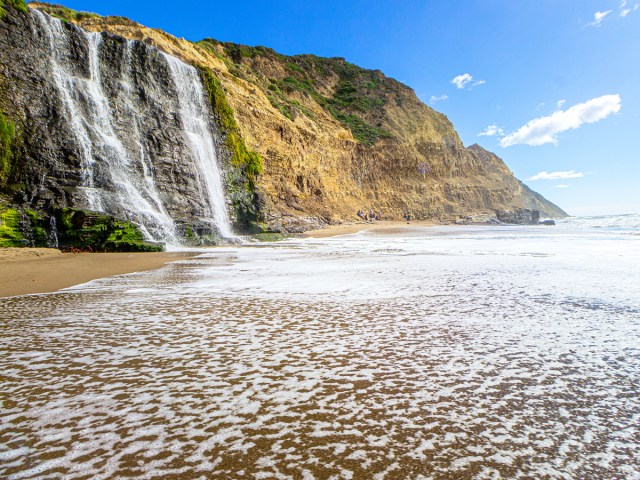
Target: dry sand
x=382, y=225
x=38, y=270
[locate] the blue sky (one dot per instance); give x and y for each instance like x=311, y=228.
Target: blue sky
x=555, y=83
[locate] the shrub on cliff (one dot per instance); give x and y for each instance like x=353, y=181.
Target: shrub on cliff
x=7, y=136
x=18, y=4
x=242, y=157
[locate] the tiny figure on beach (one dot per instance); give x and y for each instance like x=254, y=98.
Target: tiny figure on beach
x=407, y=217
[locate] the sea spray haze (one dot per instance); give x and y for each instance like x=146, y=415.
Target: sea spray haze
x=444, y=352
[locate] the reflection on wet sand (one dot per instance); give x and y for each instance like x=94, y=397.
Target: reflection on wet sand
x=159, y=375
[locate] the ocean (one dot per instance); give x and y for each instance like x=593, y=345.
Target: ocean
x=445, y=352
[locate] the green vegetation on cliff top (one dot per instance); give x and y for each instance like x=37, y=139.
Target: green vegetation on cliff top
x=19, y=4
x=357, y=101
x=63, y=13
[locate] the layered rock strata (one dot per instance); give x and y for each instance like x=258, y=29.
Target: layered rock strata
x=333, y=138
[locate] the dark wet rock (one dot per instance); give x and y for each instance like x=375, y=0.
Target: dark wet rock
x=519, y=216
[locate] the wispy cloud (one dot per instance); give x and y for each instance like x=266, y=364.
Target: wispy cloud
x=556, y=175
x=466, y=80
x=545, y=129
x=492, y=131
x=560, y=103
x=626, y=9
x=599, y=17
x=561, y=186
x=462, y=80
x=438, y=98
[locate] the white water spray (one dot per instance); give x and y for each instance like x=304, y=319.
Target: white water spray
x=195, y=120
x=119, y=179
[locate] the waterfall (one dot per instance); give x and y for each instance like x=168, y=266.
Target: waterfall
x=194, y=113
x=53, y=233
x=104, y=104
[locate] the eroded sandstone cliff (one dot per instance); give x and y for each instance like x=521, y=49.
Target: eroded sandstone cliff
x=334, y=137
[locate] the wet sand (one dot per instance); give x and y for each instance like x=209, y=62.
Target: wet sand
x=26, y=271
x=382, y=225
x=37, y=270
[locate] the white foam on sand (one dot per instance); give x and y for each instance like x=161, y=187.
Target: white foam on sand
x=479, y=352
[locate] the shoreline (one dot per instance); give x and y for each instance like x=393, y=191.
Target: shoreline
x=25, y=271
x=355, y=227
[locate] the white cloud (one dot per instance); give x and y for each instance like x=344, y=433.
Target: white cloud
x=559, y=103
x=556, y=175
x=598, y=17
x=462, y=80
x=492, y=131
x=438, y=98
x=544, y=129
x=624, y=10
x=561, y=186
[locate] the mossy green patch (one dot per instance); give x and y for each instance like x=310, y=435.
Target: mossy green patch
x=361, y=130
x=17, y=4
x=21, y=228
x=248, y=164
x=10, y=231
x=250, y=161
x=7, y=138
x=100, y=232
x=66, y=14
x=269, y=237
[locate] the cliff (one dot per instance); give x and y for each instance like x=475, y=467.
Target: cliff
x=306, y=140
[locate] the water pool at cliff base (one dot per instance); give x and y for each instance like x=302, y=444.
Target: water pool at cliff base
x=444, y=352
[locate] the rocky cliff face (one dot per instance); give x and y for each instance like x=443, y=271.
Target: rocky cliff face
x=335, y=138
x=110, y=125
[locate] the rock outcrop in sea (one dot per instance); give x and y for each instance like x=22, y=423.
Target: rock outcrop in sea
x=194, y=142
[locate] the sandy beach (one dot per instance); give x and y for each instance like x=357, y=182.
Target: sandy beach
x=37, y=270
x=349, y=228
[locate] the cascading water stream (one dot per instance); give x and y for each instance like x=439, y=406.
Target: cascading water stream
x=194, y=116
x=117, y=172
x=52, y=241
x=89, y=111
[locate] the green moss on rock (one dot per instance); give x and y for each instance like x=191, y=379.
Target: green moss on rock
x=10, y=231
x=7, y=138
x=100, y=232
x=248, y=164
x=21, y=228
x=242, y=156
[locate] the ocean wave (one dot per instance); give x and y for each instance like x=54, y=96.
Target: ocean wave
x=626, y=222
